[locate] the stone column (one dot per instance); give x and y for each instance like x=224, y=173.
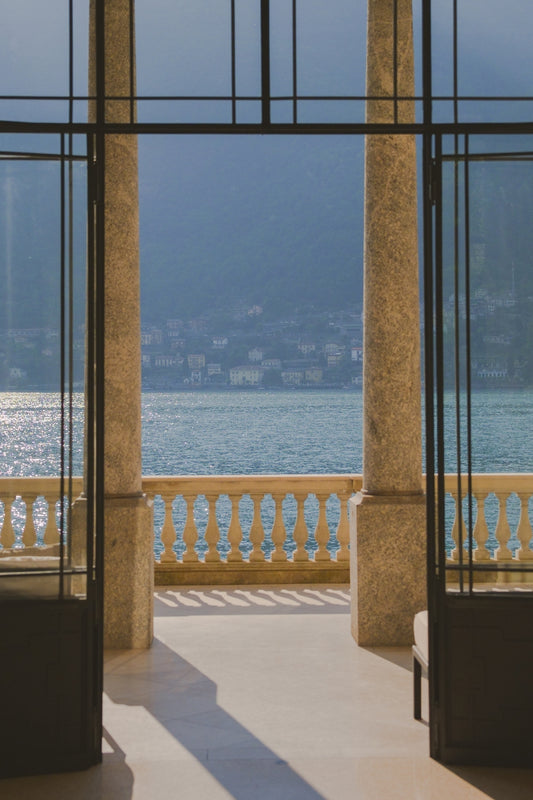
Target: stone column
x=128, y=531
x=387, y=518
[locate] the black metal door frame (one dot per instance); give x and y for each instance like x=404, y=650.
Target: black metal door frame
x=480, y=642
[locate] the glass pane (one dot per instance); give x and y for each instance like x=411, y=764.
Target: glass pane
x=493, y=59
x=248, y=48
x=183, y=48
x=331, y=41
x=35, y=60
x=42, y=355
x=487, y=364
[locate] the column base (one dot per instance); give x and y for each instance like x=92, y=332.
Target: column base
x=387, y=567
x=128, y=572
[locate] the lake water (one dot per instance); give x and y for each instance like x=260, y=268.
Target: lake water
x=187, y=433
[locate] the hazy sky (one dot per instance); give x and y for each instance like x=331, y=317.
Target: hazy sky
x=183, y=46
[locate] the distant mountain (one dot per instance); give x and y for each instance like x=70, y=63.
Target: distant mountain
x=30, y=243
x=273, y=220
x=500, y=201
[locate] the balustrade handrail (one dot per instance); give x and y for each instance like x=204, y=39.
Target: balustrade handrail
x=516, y=482
x=256, y=483
x=40, y=486
x=501, y=481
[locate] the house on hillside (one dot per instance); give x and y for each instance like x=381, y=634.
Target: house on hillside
x=246, y=375
x=255, y=354
x=196, y=361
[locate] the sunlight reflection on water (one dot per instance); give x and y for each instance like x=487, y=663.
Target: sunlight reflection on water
x=188, y=433
x=30, y=434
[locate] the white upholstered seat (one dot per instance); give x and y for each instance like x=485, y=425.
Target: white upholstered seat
x=420, y=658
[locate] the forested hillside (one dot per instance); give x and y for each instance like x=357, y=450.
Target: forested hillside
x=273, y=221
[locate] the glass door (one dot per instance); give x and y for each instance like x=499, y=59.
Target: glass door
x=50, y=472
x=479, y=299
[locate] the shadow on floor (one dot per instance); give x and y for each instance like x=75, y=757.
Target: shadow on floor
x=400, y=656
x=498, y=783
x=112, y=779
x=187, y=708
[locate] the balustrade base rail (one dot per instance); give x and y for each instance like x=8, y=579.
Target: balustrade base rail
x=246, y=574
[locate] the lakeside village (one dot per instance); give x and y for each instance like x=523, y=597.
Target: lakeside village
x=243, y=349
x=305, y=350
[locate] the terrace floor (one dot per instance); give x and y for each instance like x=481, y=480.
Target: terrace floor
x=262, y=693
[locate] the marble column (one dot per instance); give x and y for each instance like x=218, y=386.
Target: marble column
x=128, y=532
x=387, y=518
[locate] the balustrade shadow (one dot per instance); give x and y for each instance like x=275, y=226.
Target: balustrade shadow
x=198, y=601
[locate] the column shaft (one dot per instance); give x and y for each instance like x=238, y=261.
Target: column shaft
x=387, y=519
x=128, y=544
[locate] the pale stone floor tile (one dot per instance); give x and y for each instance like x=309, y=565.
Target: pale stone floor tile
x=410, y=779
x=254, y=750
x=137, y=734
x=131, y=688
x=137, y=689
x=132, y=662
x=197, y=732
x=174, y=704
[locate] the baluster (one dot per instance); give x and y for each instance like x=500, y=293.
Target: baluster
x=279, y=534
x=481, y=531
x=168, y=531
x=503, y=531
x=455, y=554
x=212, y=534
x=322, y=530
x=150, y=498
x=257, y=532
x=524, y=531
x=190, y=534
x=8, y=533
x=29, y=534
x=300, y=530
x=51, y=532
x=235, y=530
x=343, y=529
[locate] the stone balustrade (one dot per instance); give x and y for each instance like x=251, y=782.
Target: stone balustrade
x=20, y=530
x=500, y=515
x=253, y=528
x=268, y=528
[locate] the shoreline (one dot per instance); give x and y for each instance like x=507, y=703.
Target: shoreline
x=212, y=388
